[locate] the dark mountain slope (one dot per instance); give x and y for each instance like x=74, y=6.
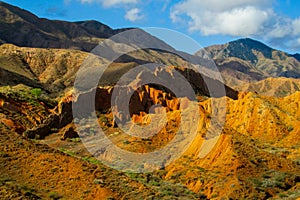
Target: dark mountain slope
x=22, y=28
x=247, y=60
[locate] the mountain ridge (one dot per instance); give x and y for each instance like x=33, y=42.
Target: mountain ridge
x=256, y=155
x=17, y=23
x=246, y=60
x=250, y=43
x=240, y=62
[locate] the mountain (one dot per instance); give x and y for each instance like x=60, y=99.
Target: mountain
x=240, y=62
x=297, y=56
x=256, y=155
x=247, y=60
x=54, y=70
x=244, y=49
x=25, y=29
x=22, y=28
x=277, y=87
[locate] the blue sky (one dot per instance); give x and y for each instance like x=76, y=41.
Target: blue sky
x=274, y=22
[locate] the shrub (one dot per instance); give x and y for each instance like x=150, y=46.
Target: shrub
x=36, y=92
x=290, y=128
x=54, y=195
x=282, y=195
x=154, y=183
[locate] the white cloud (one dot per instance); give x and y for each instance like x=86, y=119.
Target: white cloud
x=110, y=3
x=165, y=5
x=244, y=18
x=296, y=26
x=231, y=17
x=220, y=5
x=133, y=15
x=279, y=27
x=238, y=22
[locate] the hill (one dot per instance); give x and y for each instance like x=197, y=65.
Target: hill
x=22, y=28
x=54, y=70
x=256, y=155
x=247, y=60
x=240, y=62
x=277, y=87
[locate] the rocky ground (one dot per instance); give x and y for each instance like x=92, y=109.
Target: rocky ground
x=256, y=156
x=243, y=163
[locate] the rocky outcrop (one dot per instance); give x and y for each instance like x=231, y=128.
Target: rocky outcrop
x=60, y=117
x=274, y=87
x=51, y=69
x=69, y=132
x=265, y=118
x=143, y=101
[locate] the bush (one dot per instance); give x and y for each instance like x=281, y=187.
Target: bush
x=154, y=183
x=54, y=195
x=290, y=128
x=282, y=195
x=36, y=92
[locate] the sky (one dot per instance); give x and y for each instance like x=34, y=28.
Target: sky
x=273, y=22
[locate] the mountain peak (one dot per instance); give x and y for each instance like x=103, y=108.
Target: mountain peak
x=297, y=56
x=251, y=43
x=11, y=14
x=246, y=60
x=92, y=24
x=245, y=49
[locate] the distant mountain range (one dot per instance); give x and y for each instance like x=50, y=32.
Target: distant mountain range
x=247, y=60
x=277, y=87
x=240, y=62
x=23, y=28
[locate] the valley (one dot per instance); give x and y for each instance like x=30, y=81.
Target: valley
x=238, y=141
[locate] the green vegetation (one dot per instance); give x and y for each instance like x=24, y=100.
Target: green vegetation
x=67, y=151
x=282, y=195
x=92, y=160
x=54, y=195
x=32, y=96
x=36, y=92
x=164, y=187
x=154, y=183
x=290, y=128
x=278, y=181
x=256, y=182
x=54, y=130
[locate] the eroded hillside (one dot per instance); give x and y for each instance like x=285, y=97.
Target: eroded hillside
x=256, y=156
x=239, y=140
